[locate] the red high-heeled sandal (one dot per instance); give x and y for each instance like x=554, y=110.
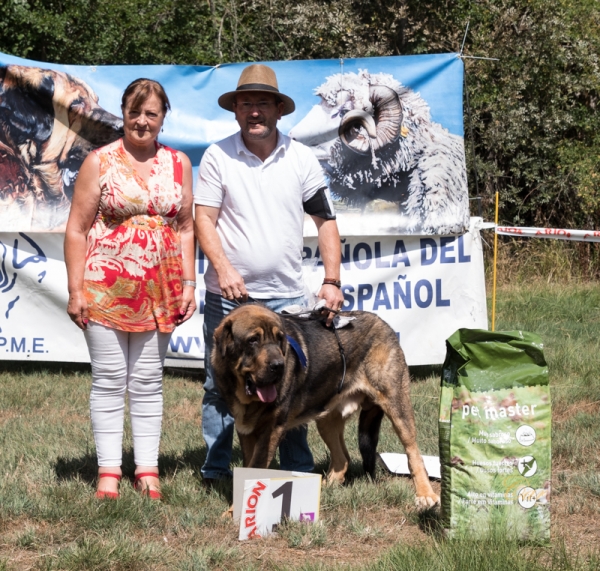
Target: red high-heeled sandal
x=146, y=491
x=101, y=494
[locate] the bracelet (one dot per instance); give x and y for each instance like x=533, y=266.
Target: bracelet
x=331, y=281
x=189, y=283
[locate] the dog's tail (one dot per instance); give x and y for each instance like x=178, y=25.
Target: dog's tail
x=369, y=424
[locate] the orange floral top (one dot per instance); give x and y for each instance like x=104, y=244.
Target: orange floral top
x=133, y=269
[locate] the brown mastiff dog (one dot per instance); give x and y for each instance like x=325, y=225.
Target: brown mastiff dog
x=276, y=372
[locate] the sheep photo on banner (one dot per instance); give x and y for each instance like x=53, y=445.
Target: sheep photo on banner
x=384, y=155
x=387, y=131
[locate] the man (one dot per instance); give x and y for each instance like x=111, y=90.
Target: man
x=253, y=189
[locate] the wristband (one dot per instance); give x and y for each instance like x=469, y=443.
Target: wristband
x=189, y=283
x=331, y=281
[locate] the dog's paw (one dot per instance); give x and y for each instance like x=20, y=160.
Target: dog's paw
x=228, y=513
x=333, y=480
x=426, y=502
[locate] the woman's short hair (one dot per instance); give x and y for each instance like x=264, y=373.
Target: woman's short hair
x=139, y=90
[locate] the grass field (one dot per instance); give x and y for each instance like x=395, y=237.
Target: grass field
x=50, y=520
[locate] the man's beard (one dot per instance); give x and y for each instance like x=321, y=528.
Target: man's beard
x=265, y=133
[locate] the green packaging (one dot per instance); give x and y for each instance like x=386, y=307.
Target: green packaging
x=494, y=430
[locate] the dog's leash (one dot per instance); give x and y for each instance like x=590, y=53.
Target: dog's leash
x=339, y=342
x=240, y=303
x=342, y=355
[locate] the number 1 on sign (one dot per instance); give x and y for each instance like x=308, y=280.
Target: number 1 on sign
x=284, y=490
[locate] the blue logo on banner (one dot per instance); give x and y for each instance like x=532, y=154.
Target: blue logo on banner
x=10, y=269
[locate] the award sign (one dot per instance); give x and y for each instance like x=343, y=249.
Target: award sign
x=266, y=501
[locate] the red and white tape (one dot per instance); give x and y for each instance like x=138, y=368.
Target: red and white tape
x=552, y=233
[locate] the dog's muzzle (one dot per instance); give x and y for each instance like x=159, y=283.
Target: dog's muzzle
x=265, y=387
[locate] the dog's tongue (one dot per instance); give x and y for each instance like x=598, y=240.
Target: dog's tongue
x=267, y=394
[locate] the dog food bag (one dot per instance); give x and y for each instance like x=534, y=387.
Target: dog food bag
x=494, y=430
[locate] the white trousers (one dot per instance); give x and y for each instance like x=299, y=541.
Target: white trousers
x=132, y=362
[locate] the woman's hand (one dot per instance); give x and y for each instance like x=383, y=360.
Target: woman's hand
x=188, y=305
x=77, y=309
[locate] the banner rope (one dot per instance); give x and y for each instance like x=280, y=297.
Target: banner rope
x=571, y=235
x=551, y=233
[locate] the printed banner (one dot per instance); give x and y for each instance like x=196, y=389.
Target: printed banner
x=388, y=132
x=425, y=287
x=553, y=233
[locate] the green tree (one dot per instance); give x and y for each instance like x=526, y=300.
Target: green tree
x=533, y=110
x=107, y=31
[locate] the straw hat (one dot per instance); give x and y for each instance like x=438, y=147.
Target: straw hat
x=257, y=78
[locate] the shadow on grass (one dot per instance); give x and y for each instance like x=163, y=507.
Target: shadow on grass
x=85, y=467
x=31, y=367
x=355, y=473
x=422, y=372
x=192, y=375
x=430, y=521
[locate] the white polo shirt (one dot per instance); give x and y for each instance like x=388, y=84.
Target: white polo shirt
x=261, y=216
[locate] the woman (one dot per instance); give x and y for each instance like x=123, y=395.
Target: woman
x=129, y=251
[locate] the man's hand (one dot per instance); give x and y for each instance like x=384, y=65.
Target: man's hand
x=232, y=284
x=334, y=299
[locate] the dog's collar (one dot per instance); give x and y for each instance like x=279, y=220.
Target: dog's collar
x=298, y=350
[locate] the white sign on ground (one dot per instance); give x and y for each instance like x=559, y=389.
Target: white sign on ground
x=263, y=498
x=398, y=464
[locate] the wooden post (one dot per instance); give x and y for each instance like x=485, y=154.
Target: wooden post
x=494, y=269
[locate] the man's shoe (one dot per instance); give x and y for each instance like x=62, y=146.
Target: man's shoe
x=209, y=483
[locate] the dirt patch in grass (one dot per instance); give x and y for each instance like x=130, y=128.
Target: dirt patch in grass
x=184, y=410
x=581, y=530
x=6, y=415
x=564, y=413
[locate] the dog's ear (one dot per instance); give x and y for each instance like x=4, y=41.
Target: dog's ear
x=26, y=109
x=223, y=337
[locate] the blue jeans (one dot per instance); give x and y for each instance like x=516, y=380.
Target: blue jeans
x=217, y=422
